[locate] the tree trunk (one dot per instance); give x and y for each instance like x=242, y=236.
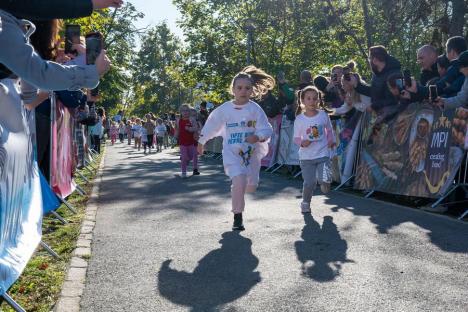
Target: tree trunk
x=367, y=24
x=458, y=18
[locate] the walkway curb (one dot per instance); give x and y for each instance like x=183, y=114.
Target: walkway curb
x=75, y=281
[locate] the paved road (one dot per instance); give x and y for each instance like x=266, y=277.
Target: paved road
x=165, y=244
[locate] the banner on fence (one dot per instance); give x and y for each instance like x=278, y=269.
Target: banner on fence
x=62, y=162
x=416, y=153
x=347, y=140
x=20, y=190
x=288, y=151
x=270, y=159
x=214, y=145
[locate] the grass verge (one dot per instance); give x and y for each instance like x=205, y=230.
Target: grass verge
x=38, y=288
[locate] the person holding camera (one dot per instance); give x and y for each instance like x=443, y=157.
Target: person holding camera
x=333, y=93
x=461, y=99
x=51, y=9
x=427, y=60
x=383, y=65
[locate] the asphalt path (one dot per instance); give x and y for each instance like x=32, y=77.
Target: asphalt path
x=163, y=243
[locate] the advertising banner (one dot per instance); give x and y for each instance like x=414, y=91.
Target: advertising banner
x=20, y=189
x=270, y=158
x=288, y=151
x=63, y=152
x=347, y=140
x=418, y=152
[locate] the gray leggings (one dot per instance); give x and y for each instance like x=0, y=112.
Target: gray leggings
x=313, y=170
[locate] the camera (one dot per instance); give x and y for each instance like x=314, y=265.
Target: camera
x=72, y=36
x=400, y=84
x=347, y=73
x=433, y=94
x=407, y=78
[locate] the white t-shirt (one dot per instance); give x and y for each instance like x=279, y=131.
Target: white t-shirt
x=161, y=130
x=318, y=130
x=234, y=123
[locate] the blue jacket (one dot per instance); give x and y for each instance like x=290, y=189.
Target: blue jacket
x=19, y=57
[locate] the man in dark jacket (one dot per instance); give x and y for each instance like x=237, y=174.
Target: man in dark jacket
x=383, y=65
x=427, y=59
x=51, y=9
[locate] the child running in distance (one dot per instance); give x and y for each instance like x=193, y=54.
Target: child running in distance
x=144, y=138
x=114, y=131
x=137, y=132
x=245, y=130
x=129, y=132
x=187, y=143
x=121, y=131
x=160, y=133
x=313, y=132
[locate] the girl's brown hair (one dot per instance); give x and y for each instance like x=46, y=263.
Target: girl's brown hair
x=301, y=94
x=44, y=39
x=261, y=81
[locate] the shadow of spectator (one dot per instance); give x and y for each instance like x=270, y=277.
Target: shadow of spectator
x=222, y=276
x=321, y=251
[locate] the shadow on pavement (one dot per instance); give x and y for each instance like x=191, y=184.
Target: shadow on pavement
x=448, y=235
x=222, y=276
x=324, y=247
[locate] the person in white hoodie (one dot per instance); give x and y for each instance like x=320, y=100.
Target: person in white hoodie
x=245, y=130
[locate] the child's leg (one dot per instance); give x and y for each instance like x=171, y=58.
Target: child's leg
x=253, y=175
x=324, y=174
x=238, y=188
x=194, y=157
x=309, y=168
x=184, y=158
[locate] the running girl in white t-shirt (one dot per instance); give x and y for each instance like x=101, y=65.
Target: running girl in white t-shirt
x=245, y=131
x=313, y=132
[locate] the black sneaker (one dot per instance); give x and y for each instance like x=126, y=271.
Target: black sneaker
x=196, y=172
x=237, y=225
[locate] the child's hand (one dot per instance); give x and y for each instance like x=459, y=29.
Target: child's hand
x=305, y=143
x=331, y=145
x=252, y=139
x=200, y=149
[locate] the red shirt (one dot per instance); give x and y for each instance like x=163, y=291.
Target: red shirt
x=185, y=137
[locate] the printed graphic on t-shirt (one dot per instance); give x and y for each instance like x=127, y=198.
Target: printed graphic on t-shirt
x=315, y=133
x=246, y=155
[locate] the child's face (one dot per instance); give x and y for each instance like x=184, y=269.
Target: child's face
x=310, y=100
x=242, y=90
x=185, y=112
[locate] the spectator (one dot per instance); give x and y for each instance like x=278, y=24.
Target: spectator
x=383, y=65
x=333, y=93
x=203, y=115
x=461, y=100
x=50, y=9
x=427, y=60
x=452, y=82
x=118, y=118
x=285, y=95
x=98, y=130
x=21, y=59
x=443, y=64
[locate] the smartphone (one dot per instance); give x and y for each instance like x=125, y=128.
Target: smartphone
x=94, y=45
x=433, y=92
x=347, y=73
x=407, y=78
x=72, y=36
x=400, y=83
